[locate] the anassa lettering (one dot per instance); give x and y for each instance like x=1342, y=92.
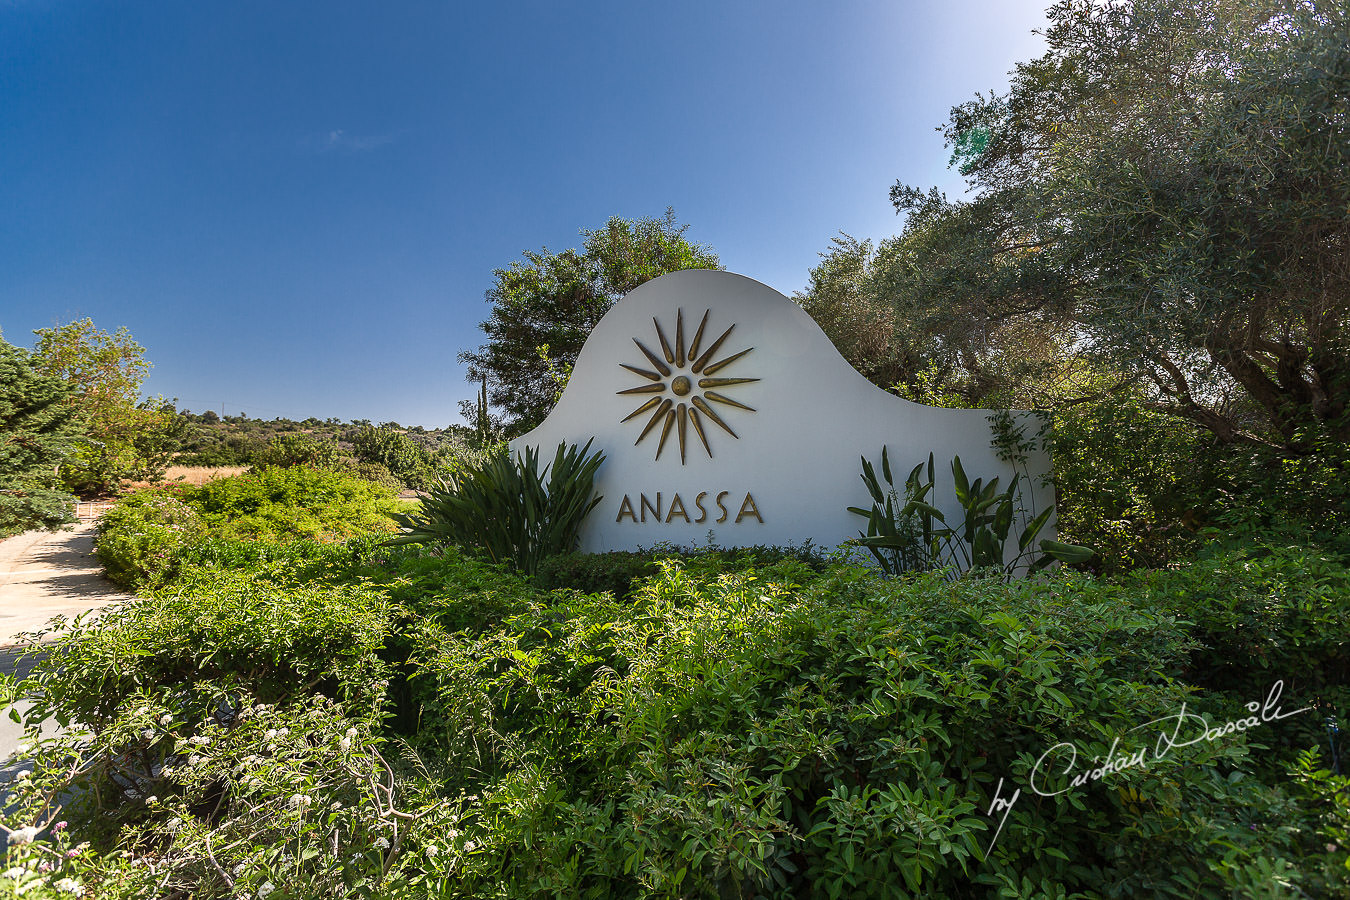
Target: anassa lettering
x=696, y=514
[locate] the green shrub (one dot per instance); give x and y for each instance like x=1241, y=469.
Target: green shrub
x=740, y=734
x=141, y=538
x=621, y=572
x=195, y=654
x=1133, y=484
x=506, y=510
x=294, y=449
x=1262, y=614
x=293, y=503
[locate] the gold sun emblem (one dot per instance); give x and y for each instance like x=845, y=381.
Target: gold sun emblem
x=682, y=397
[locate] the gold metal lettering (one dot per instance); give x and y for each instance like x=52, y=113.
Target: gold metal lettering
x=722, y=507
x=676, y=509
x=626, y=507
x=698, y=502
x=647, y=504
x=748, y=508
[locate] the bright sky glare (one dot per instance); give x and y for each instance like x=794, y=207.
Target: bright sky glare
x=296, y=207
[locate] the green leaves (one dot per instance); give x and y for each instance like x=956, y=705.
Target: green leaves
x=915, y=536
x=505, y=509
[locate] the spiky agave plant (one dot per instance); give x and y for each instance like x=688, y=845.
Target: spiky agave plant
x=509, y=509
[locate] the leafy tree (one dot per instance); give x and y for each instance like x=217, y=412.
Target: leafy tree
x=37, y=433
x=409, y=462
x=127, y=438
x=544, y=307
x=1167, y=186
x=925, y=356
x=295, y=449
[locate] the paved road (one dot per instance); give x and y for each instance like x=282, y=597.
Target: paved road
x=49, y=573
x=43, y=574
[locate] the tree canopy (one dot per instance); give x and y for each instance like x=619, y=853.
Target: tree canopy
x=1166, y=188
x=545, y=305
x=128, y=438
x=38, y=432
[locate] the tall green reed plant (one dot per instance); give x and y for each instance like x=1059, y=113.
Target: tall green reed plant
x=509, y=509
x=913, y=535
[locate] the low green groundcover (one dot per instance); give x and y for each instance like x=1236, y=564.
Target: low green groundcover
x=320, y=720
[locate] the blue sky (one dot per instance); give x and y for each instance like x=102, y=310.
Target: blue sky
x=296, y=207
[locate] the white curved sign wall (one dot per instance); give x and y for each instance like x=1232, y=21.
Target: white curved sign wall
x=724, y=412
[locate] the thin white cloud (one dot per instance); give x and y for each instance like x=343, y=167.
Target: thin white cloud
x=339, y=141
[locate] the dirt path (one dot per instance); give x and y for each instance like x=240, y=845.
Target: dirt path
x=49, y=573
x=42, y=574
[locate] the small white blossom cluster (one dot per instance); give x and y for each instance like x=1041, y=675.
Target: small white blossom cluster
x=22, y=836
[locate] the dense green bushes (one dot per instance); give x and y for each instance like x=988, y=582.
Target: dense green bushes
x=699, y=723
x=740, y=733
x=622, y=571
x=142, y=537
x=296, y=502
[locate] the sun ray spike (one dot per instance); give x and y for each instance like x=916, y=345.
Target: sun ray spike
x=655, y=401
x=698, y=429
x=723, y=382
x=704, y=408
x=665, y=431
x=708, y=354
x=718, y=398
x=682, y=414
x=722, y=364
x=644, y=389
x=665, y=344
x=698, y=335
x=679, y=338
x=650, y=376
x=653, y=358
x=656, y=417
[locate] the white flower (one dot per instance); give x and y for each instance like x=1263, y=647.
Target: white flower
x=143, y=710
x=335, y=805
x=469, y=846
x=70, y=886
x=166, y=719
x=174, y=824
x=382, y=844
x=432, y=850
x=148, y=734
x=200, y=740
x=270, y=733
x=345, y=744
x=239, y=869
x=351, y=732
x=23, y=835
x=194, y=759
x=264, y=889
x=151, y=800
x=24, y=775
x=15, y=873
x=299, y=801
